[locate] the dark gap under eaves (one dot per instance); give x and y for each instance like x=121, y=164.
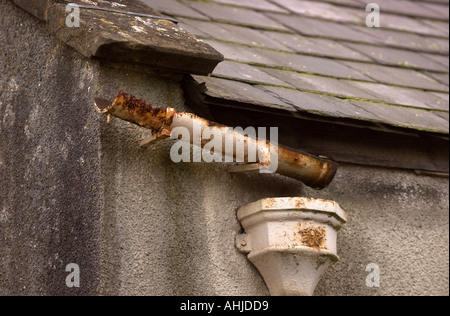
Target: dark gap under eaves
x=342, y=140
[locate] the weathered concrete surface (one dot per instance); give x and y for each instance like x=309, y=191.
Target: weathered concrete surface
x=36, y=7
x=75, y=189
x=49, y=149
x=397, y=220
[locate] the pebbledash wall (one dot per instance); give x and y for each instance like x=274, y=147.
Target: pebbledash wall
x=74, y=189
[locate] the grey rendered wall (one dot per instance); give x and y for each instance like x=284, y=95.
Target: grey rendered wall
x=75, y=189
x=49, y=161
x=397, y=220
x=51, y=190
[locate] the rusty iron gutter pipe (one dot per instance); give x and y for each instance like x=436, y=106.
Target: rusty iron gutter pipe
x=311, y=170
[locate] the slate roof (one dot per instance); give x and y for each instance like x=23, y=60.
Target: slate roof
x=319, y=57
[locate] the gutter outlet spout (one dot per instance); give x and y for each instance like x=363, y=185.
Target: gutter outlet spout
x=313, y=171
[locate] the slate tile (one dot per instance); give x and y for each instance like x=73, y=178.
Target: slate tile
x=442, y=78
x=443, y=115
x=174, y=8
x=407, y=24
x=320, y=28
x=445, y=98
x=241, y=92
x=397, y=57
x=397, y=76
x=319, y=104
x=403, y=96
x=446, y=2
x=353, y=3
x=440, y=9
x=339, y=50
x=302, y=63
x=321, y=10
x=399, y=22
x=317, y=46
x=214, y=30
x=242, y=54
x=330, y=12
x=315, y=65
x=443, y=27
x=238, y=71
x=443, y=103
x=222, y=13
x=186, y=25
x=238, y=34
x=295, y=42
x=438, y=58
x=255, y=38
x=261, y=5
x=320, y=84
x=404, y=40
x=394, y=21
x=409, y=8
x=405, y=117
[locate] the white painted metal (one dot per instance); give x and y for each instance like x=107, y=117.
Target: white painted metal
x=292, y=241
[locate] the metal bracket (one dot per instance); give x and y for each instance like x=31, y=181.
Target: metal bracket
x=243, y=243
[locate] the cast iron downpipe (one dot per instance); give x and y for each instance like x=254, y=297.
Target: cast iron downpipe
x=311, y=170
